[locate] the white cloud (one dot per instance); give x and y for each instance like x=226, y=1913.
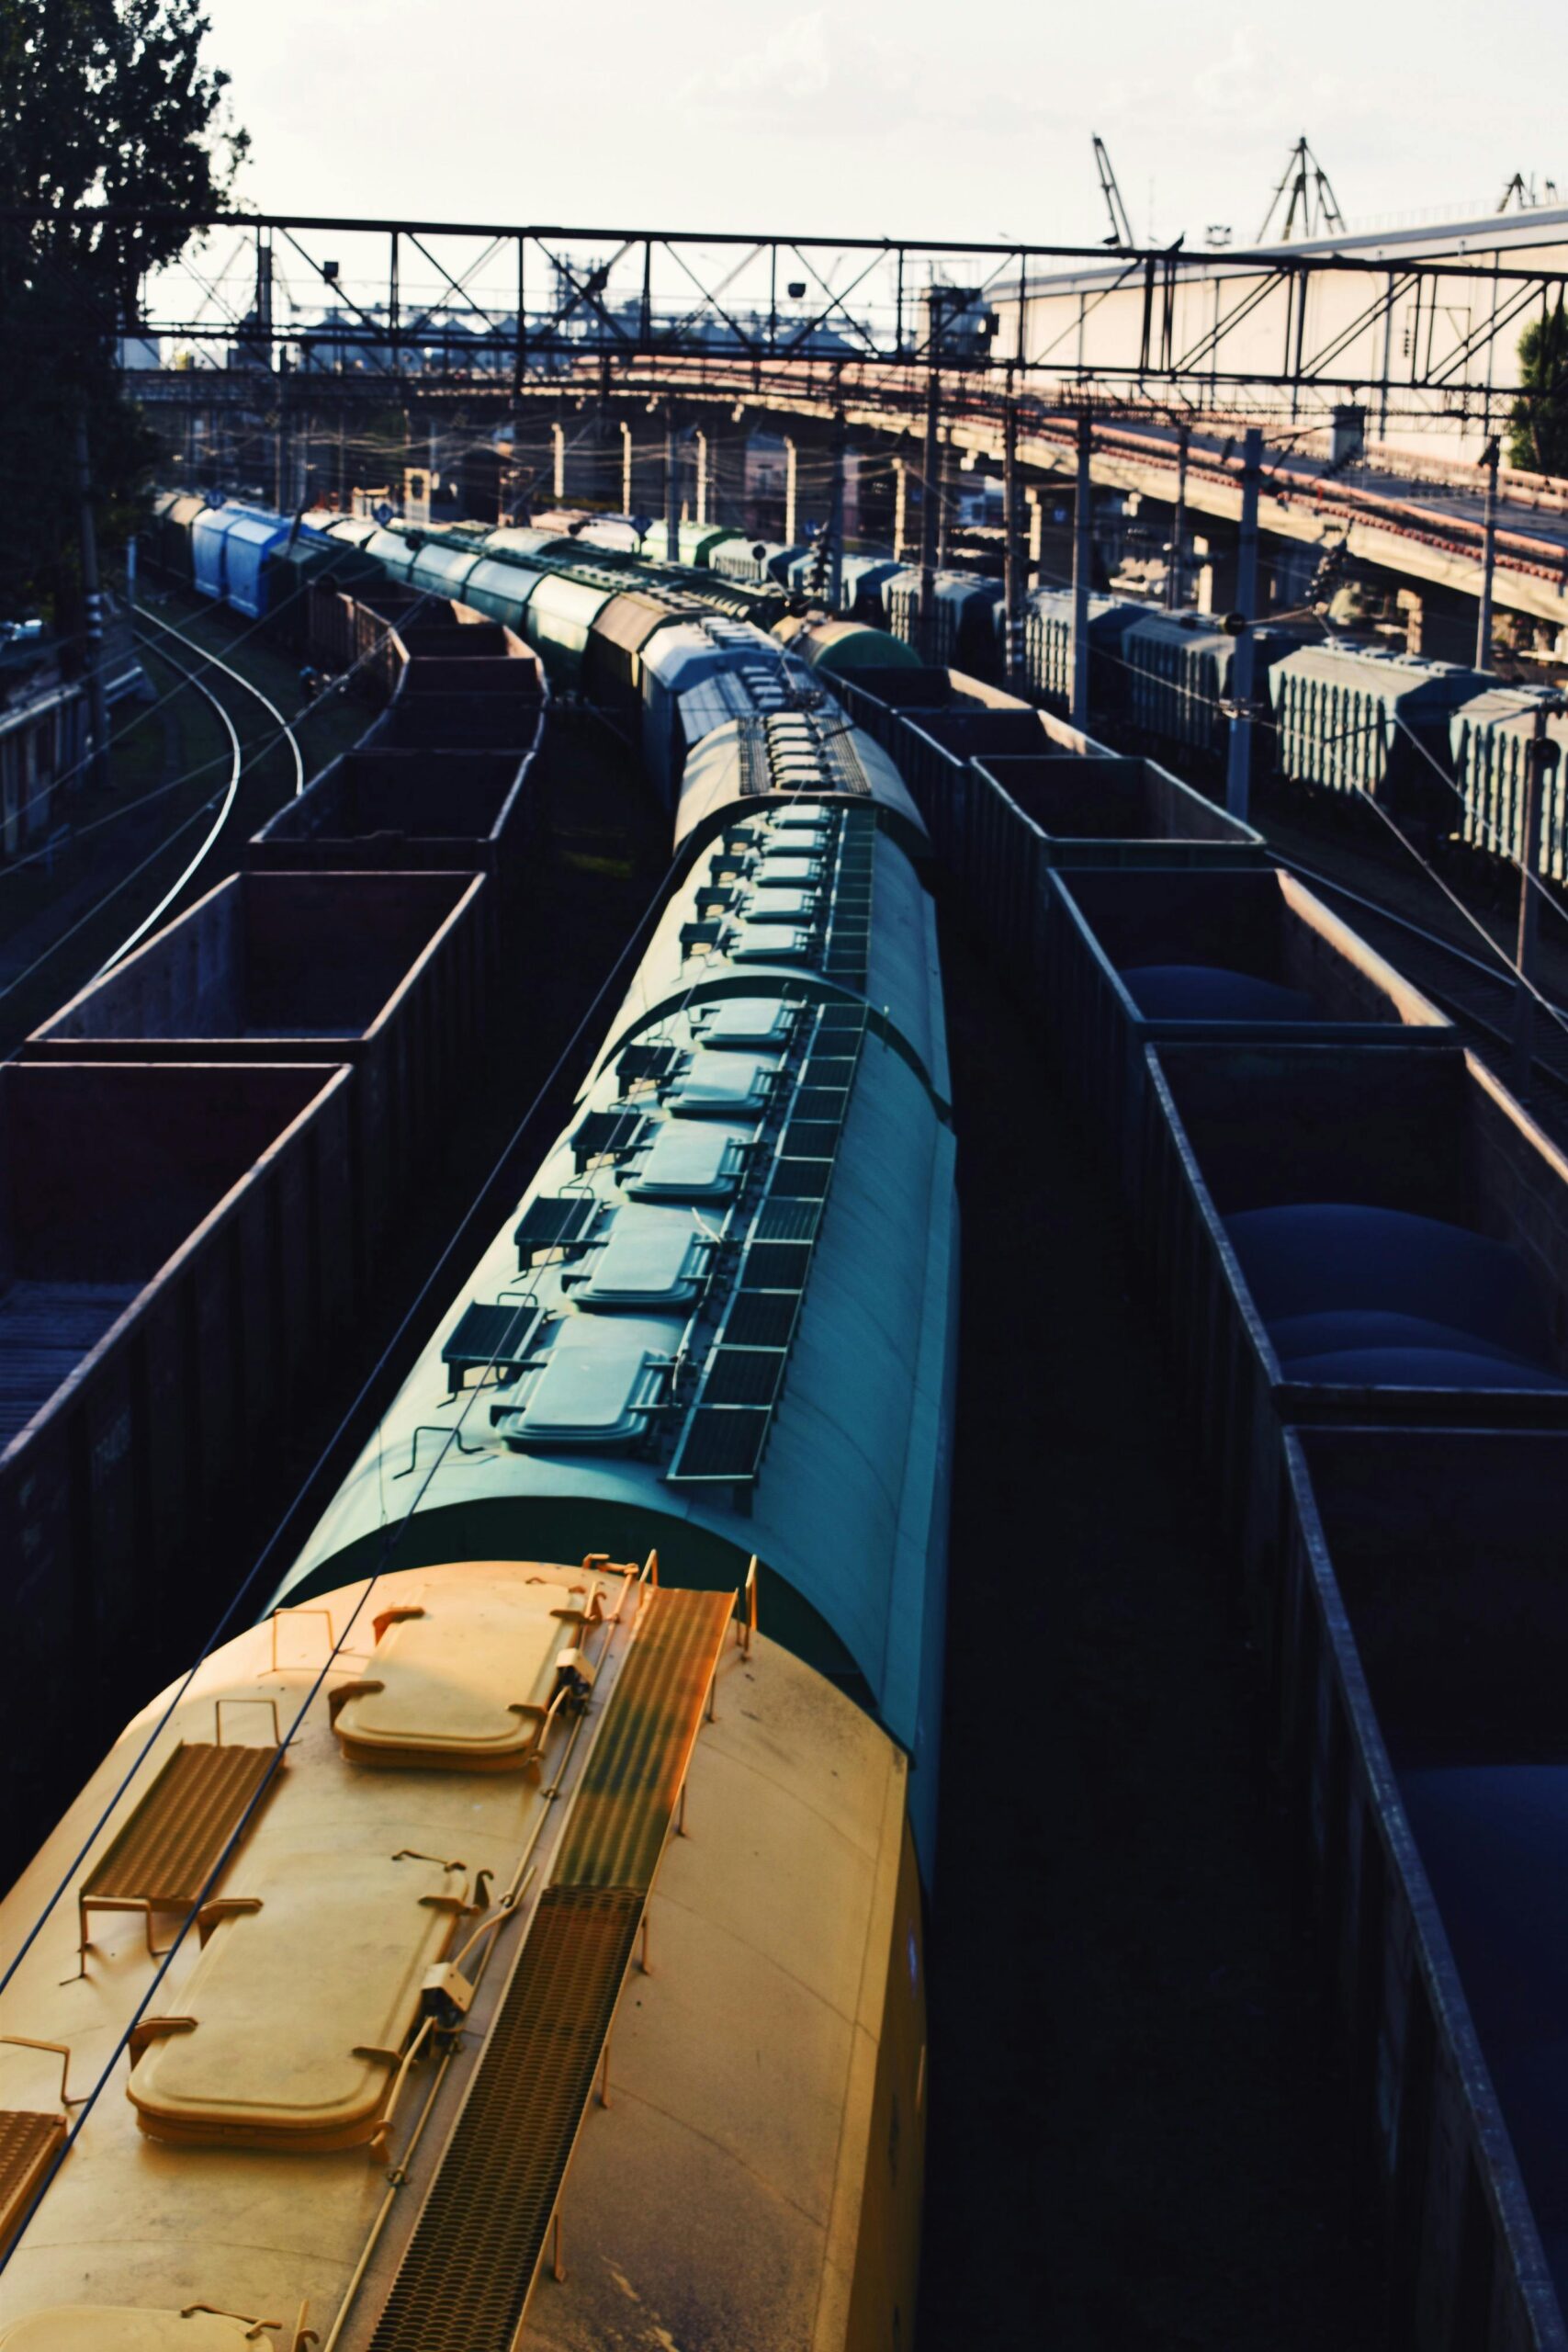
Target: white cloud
x=792, y=63
x=1239, y=85
x=864, y=118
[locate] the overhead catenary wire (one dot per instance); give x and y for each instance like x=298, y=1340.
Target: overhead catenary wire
x=226, y=800
x=253, y=1582
x=1499, y=845
x=1494, y=947
x=210, y=660
x=306, y=711
x=149, y=709
x=114, y=891
x=391, y=1536
x=228, y=796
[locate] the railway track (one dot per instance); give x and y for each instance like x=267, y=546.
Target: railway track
x=229, y=795
x=285, y=735
x=1477, y=997
x=74, y=954
x=210, y=660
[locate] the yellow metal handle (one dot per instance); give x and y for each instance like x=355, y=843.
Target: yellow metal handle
x=61, y=2050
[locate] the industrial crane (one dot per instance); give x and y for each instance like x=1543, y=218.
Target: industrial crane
x=1310, y=195
x=1521, y=193
x=1121, y=227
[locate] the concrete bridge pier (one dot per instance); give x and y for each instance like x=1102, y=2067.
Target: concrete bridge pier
x=586, y=460
x=1439, y=622
x=720, y=485
x=908, y=502
x=790, y=489
x=642, y=466
x=871, y=504
x=1213, y=573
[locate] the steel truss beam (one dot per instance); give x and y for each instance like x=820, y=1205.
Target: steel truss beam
x=505, y=301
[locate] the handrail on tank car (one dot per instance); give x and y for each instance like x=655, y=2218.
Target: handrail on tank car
x=746, y=1609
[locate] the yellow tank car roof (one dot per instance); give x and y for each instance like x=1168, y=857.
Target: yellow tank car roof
x=381, y=1990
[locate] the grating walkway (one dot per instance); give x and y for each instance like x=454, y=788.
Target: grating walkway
x=465, y=2277
x=168, y=1848
x=627, y=1799
x=28, y=2145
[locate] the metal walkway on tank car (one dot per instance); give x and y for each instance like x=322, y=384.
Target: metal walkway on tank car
x=465, y=2276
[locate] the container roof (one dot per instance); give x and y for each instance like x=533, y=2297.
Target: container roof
x=1377, y=671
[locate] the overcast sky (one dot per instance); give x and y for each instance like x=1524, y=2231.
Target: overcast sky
x=967, y=118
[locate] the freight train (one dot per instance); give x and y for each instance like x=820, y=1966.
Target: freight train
x=1433, y=742
x=308, y=1997
x=1353, y=1238
x=720, y=1323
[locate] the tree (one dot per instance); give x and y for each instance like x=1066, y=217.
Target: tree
x=103, y=104
x=1538, y=438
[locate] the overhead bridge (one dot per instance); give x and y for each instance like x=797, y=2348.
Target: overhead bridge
x=464, y=2279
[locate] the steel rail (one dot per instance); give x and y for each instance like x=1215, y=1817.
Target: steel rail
x=285, y=729
x=236, y=764
x=236, y=769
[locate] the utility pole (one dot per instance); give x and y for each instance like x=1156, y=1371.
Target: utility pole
x=1175, y=572
x=1239, y=773
x=92, y=605
x=835, y=581
x=1012, y=580
x=264, y=299
x=1488, y=561
x=671, y=486
x=930, y=498
x=282, y=498
x=1083, y=568
x=1542, y=759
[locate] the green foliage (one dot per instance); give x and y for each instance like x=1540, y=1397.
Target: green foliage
x=102, y=102
x=1538, y=438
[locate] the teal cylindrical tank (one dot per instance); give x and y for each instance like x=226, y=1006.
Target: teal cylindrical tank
x=501, y=589
x=835, y=647
x=442, y=569
x=557, y=620
x=695, y=542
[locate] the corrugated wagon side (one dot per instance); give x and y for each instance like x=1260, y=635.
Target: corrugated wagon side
x=1421, y=1611
x=1140, y=958
x=177, y=1261
x=451, y=777
x=1412, y=1187
x=383, y=971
